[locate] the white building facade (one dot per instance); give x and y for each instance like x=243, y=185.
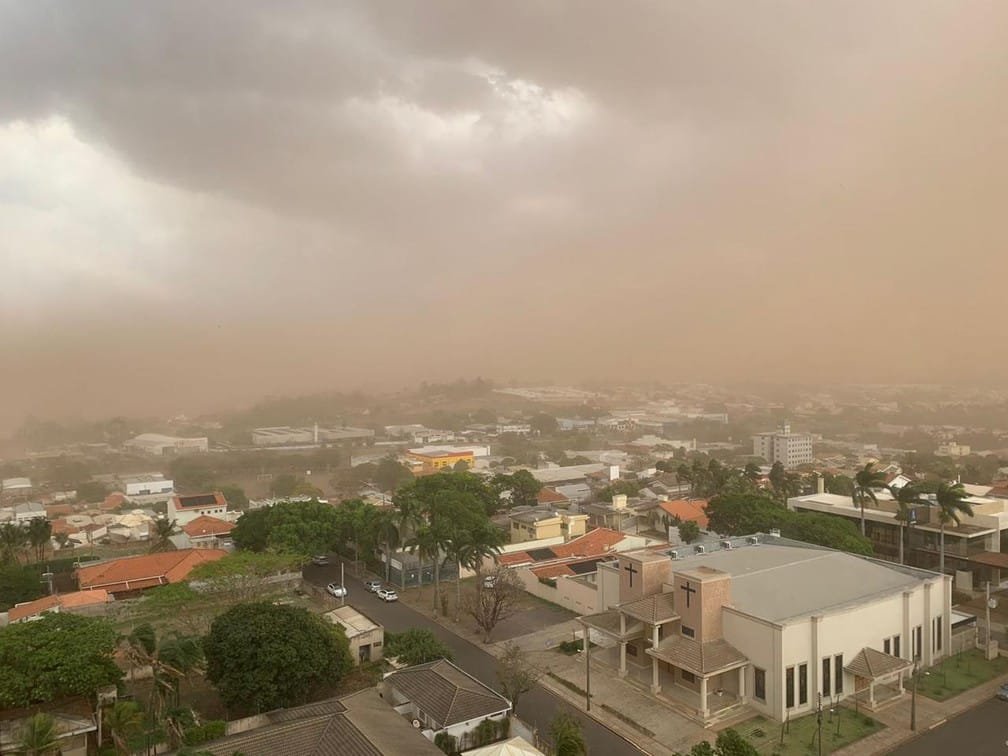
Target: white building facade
x=790, y=449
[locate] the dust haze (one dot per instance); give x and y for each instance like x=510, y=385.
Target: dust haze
x=204, y=203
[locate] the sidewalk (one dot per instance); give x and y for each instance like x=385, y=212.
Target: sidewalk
x=930, y=714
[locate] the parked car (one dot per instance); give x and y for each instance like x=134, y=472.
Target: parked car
x=373, y=585
x=336, y=590
x=489, y=581
x=388, y=594
x=1002, y=692
x=320, y=559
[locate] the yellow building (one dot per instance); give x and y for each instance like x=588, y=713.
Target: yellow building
x=435, y=461
x=535, y=524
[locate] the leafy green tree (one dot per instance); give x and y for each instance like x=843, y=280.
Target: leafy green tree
x=13, y=540
x=952, y=505
x=241, y=575
x=520, y=488
x=262, y=656
x=389, y=474
x=689, y=531
x=777, y=478
x=235, y=496
x=568, y=740
x=292, y=485
x=56, y=656
x=544, y=424
x=171, y=659
x=843, y=485
x=825, y=530
x=865, y=482
x=730, y=743
x=516, y=673
x=17, y=585
x=415, y=646
x=305, y=528
x=474, y=538
x=387, y=534
x=161, y=532
x=751, y=472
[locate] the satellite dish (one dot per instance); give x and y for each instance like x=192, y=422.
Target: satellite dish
x=416, y=723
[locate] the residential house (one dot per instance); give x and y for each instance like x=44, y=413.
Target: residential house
x=91, y=602
x=185, y=509
x=535, y=523
x=438, y=697
x=367, y=638
x=767, y=623
x=206, y=532
x=129, y=576
x=361, y=724
x=516, y=746
x=73, y=727
x=550, y=497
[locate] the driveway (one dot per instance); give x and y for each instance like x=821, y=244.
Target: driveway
x=538, y=707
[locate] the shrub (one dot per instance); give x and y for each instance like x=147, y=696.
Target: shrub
x=210, y=730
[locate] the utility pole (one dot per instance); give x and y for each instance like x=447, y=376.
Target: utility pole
x=587, y=649
x=987, y=606
x=819, y=722
x=913, y=699
x=342, y=583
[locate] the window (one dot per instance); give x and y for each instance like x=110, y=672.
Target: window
x=918, y=644
x=896, y=646
x=688, y=632
x=759, y=683
x=688, y=676
x=802, y=684
x=936, y=636
x=838, y=674
x=789, y=686
x=826, y=682
x=887, y=646
x=631, y=649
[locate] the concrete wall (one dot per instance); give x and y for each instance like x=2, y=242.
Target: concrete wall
x=569, y=593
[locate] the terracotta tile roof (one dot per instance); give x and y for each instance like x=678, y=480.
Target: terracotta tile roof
x=113, y=501
x=58, y=510
x=205, y=525
x=592, y=543
x=62, y=526
x=514, y=558
x=698, y=658
x=873, y=664
x=139, y=572
x=653, y=609
x=446, y=694
x=694, y=510
x=64, y=601
x=548, y=495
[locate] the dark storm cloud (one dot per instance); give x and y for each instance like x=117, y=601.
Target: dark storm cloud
x=765, y=187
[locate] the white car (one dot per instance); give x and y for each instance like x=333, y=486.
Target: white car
x=336, y=590
x=372, y=585
x=388, y=594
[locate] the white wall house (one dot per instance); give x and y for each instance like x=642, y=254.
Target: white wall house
x=185, y=509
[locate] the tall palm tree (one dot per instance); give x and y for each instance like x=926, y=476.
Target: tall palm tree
x=469, y=547
x=865, y=483
x=39, y=532
x=426, y=546
x=387, y=533
x=951, y=501
x=906, y=497
x=160, y=535
x=13, y=538
x=568, y=740
x=124, y=721
x=39, y=736
x=408, y=519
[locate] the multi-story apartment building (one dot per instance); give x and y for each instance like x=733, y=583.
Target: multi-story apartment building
x=790, y=449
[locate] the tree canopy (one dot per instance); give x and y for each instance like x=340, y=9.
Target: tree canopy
x=262, y=656
x=56, y=656
x=289, y=527
x=415, y=646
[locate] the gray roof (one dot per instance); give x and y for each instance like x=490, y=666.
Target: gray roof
x=655, y=609
x=873, y=664
x=447, y=694
x=777, y=582
x=700, y=658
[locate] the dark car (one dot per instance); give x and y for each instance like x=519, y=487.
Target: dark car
x=1002, y=692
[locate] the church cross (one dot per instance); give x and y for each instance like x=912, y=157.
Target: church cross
x=633, y=571
x=690, y=590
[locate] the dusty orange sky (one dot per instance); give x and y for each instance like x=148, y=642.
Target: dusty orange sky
x=202, y=204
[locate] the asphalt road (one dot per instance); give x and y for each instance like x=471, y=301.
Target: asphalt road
x=980, y=731
x=538, y=707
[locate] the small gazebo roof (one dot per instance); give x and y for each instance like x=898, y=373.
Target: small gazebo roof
x=872, y=664
x=656, y=609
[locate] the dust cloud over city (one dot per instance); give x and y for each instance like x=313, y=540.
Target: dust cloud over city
x=201, y=204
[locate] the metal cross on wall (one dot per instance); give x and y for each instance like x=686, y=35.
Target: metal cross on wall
x=633, y=571
x=690, y=590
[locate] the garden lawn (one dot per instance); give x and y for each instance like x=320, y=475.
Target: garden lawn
x=765, y=734
x=959, y=673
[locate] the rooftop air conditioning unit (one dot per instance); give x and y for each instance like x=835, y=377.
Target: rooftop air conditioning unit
x=752, y=540
x=699, y=550
x=726, y=545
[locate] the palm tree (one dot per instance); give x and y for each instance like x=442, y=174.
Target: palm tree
x=427, y=546
x=388, y=535
x=13, y=538
x=906, y=497
x=865, y=483
x=952, y=504
x=470, y=546
x=171, y=660
x=124, y=722
x=407, y=520
x=39, y=736
x=568, y=739
x=160, y=535
x=39, y=532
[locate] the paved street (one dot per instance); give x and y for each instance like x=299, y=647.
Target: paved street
x=537, y=707
x=980, y=731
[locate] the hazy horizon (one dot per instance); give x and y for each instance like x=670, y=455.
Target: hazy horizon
x=205, y=204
